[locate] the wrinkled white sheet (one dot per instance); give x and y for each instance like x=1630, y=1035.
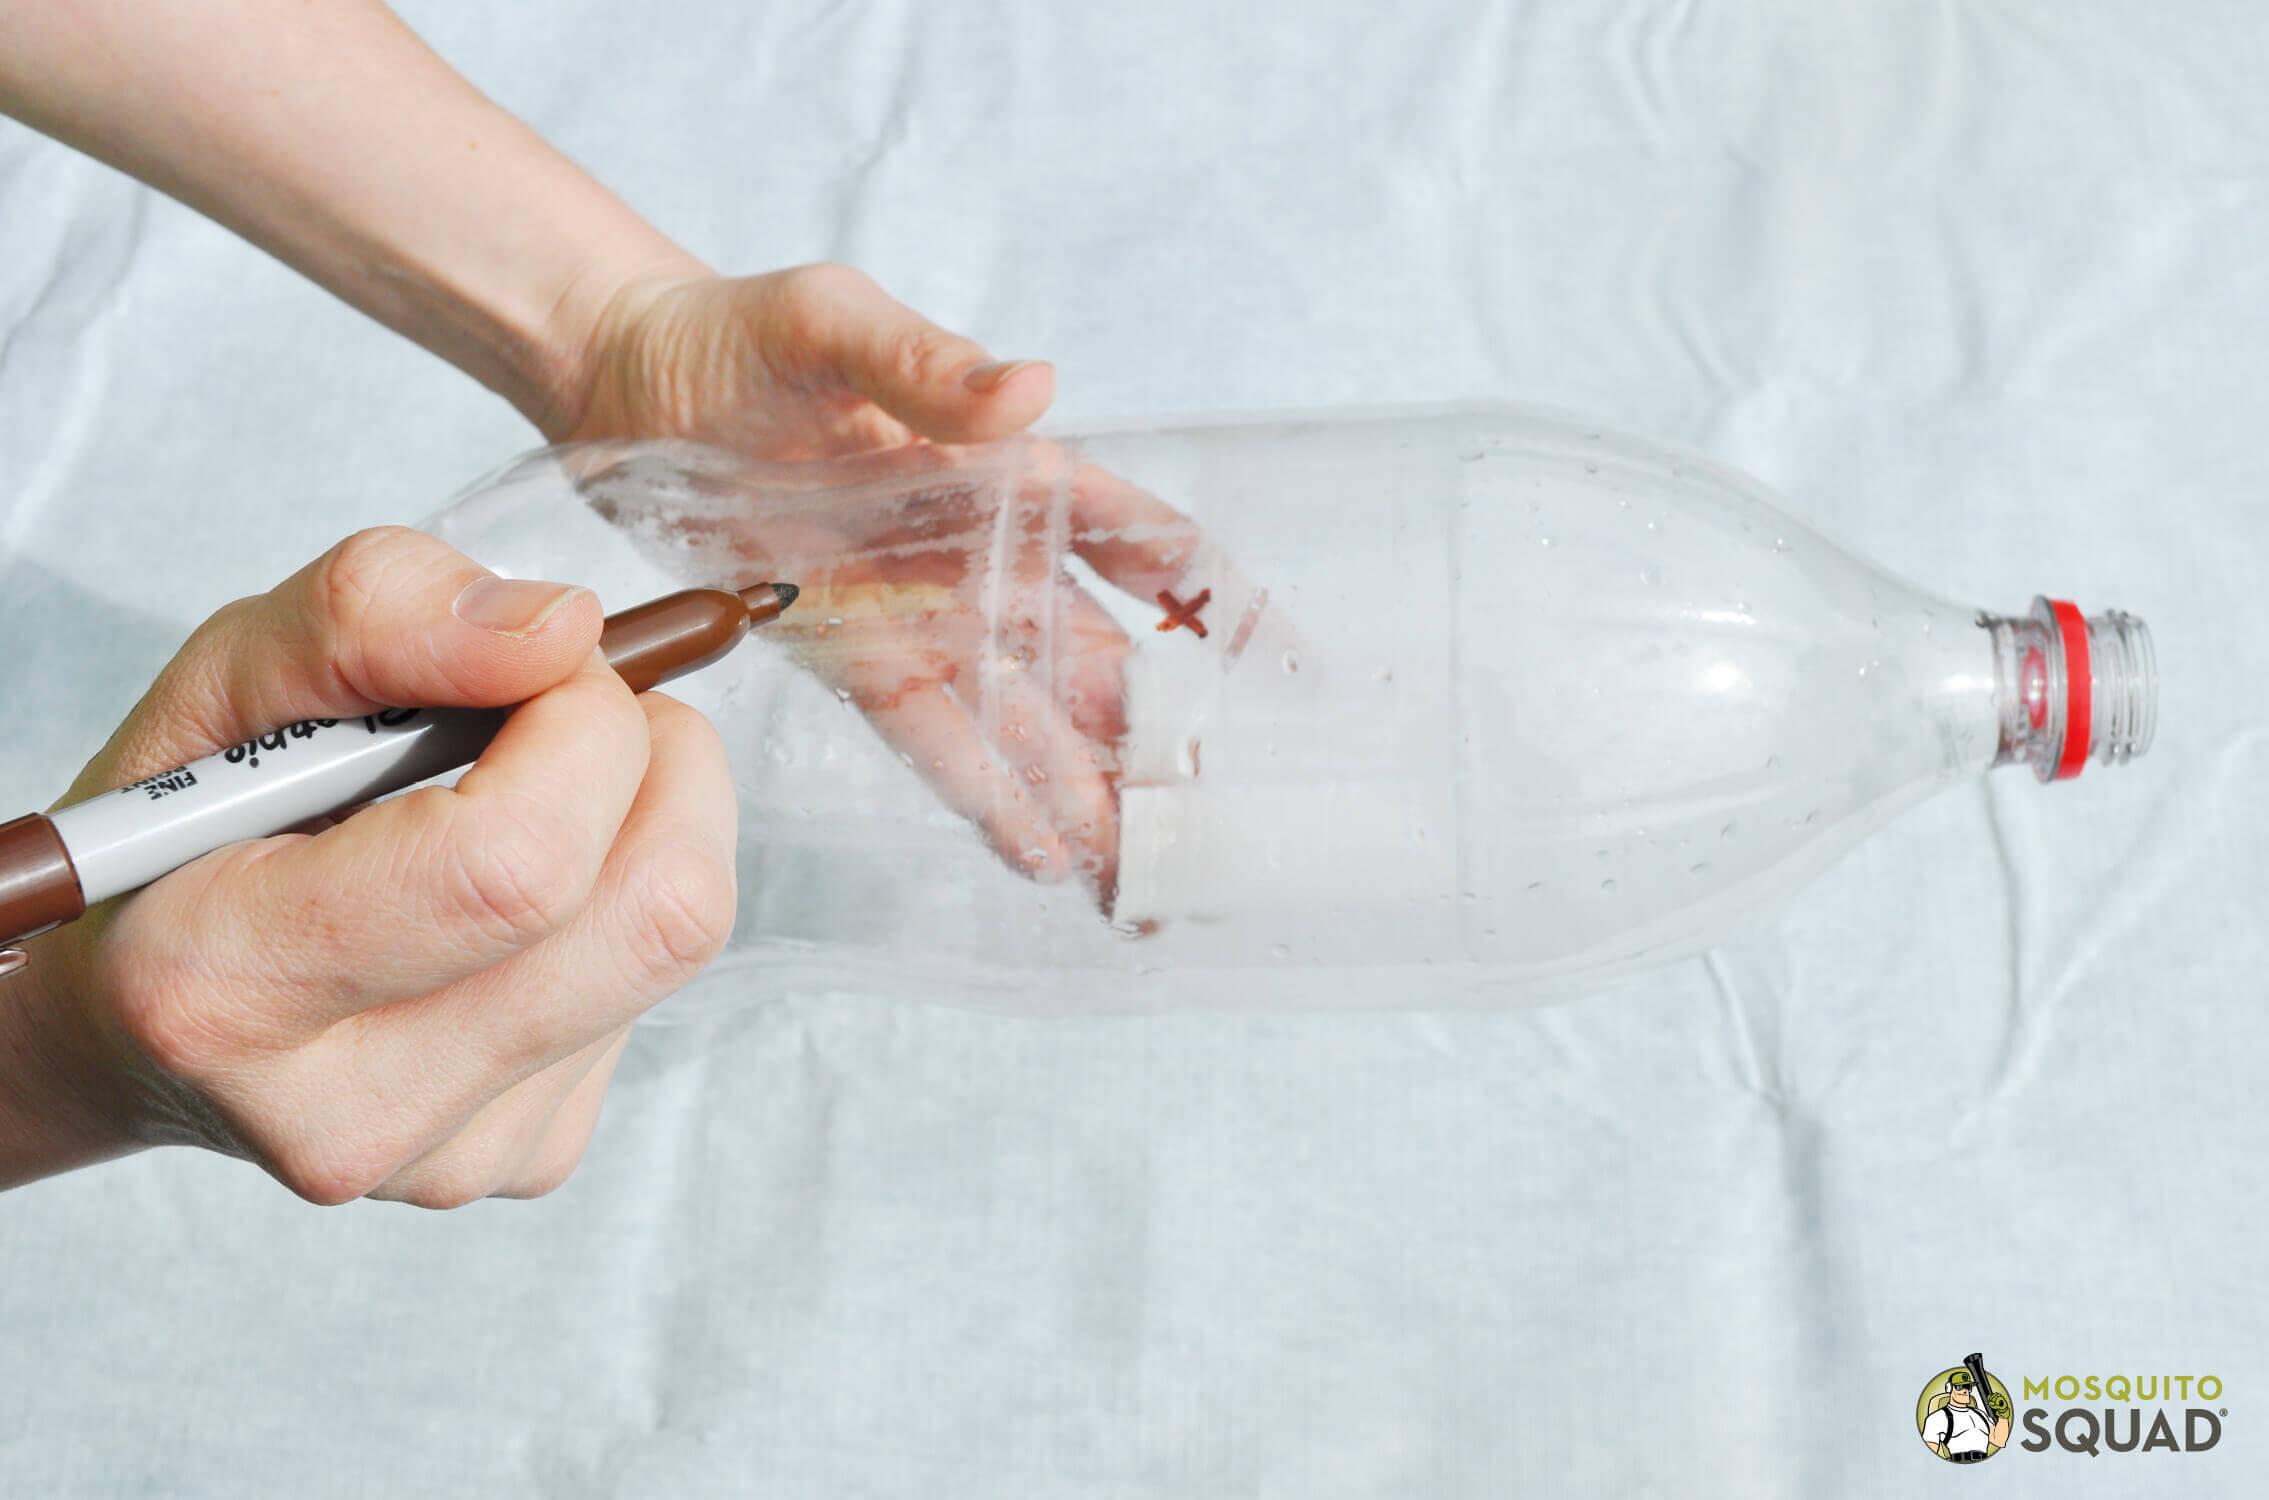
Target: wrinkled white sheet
x=1980, y=287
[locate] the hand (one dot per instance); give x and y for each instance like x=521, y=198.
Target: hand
x=805, y=363
x=425, y=1000
x=936, y=600
x=1010, y=704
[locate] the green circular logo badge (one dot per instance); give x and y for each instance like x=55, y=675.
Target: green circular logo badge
x=1963, y=1413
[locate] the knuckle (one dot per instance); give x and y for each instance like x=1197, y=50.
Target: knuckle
x=547, y=1027
x=516, y=879
x=170, y=1018
x=924, y=354
x=547, y=1174
x=352, y=573
x=348, y=580
x=330, y=1176
x=824, y=281
x=682, y=910
x=455, y=1185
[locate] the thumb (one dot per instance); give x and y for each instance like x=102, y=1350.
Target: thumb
x=943, y=386
x=387, y=618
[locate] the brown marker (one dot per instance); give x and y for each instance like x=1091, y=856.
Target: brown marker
x=53, y=866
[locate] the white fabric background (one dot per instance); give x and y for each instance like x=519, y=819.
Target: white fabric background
x=1980, y=286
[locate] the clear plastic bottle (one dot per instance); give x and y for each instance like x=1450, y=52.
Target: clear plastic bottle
x=1470, y=706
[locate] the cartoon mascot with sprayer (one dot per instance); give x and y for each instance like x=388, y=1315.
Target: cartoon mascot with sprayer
x=1966, y=1419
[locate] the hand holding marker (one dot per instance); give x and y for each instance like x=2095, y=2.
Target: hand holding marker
x=54, y=866
x=423, y=1001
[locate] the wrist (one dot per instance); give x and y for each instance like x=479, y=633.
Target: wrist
x=577, y=340
x=60, y=1105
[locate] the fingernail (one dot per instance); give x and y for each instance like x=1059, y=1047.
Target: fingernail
x=988, y=378
x=511, y=606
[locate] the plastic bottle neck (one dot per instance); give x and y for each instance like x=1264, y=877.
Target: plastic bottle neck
x=2070, y=688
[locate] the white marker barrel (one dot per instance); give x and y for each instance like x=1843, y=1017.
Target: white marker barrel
x=119, y=841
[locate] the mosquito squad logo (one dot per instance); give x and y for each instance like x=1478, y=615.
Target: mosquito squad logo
x=1966, y=1415
x=2106, y=1414
x=1964, y=1412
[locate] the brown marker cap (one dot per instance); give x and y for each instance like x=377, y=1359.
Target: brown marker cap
x=651, y=643
x=38, y=887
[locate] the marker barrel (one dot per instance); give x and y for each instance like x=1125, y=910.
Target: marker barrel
x=125, y=839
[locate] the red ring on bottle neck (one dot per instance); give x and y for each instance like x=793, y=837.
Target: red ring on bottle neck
x=2079, y=689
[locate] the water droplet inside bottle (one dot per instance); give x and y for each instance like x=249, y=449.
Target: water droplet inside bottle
x=1780, y=544
x=1728, y=830
x=1280, y=950
x=1544, y=541
x=1036, y=774
x=1812, y=817
x=1650, y=575
x=1698, y=869
x=1472, y=457
x=1607, y=886
x=1772, y=762
x=1533, y=887
x=1591, y=468
x=1291, y=661
x=843, y=696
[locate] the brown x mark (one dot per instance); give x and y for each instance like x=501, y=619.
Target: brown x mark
x=1178, y=613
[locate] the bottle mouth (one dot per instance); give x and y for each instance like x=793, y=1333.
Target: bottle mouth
x=2073, y=688
x=2124, y=669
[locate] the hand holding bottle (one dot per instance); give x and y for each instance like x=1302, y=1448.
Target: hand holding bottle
x=818, y=362
x=811, y=362
x=940, y=602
